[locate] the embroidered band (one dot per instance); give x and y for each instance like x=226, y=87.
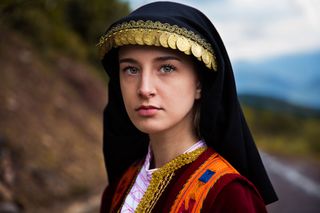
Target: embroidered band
x=161, y=178
x=158, y=34
x=194, y=192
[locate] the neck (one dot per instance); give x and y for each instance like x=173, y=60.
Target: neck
x=167, y=146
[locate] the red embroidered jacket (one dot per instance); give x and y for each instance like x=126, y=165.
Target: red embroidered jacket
x=231, y=192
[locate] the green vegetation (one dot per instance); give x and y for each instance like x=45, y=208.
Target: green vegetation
x=72, y=27
x=52, y=102
x=285, y=132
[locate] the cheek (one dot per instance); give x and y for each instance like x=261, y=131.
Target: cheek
x=127, y=91
x=182, y=94
x=188, y=88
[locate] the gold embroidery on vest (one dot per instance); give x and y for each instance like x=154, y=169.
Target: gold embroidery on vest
x=161, y=178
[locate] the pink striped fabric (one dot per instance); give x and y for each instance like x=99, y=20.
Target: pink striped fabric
x=143, y=180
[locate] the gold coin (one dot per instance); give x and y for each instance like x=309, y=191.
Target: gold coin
x=157, y=38
x=117, y=40
x=183, y=44
x=123, y=38
x=164, y=39
x=196, y=50
x=206, y=57
x=188, y=52
x=208, y=66
x=138, y=37
x=214, y=65
x=130, y=37
x=148, y=38
x=172, y=41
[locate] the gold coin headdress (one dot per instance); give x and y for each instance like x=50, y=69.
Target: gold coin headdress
x=158, y=34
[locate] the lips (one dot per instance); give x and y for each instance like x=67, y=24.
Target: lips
x=147, y=110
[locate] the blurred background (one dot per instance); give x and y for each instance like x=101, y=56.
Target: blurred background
x=53, y=92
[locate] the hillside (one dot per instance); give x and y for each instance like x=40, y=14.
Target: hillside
x=50, y=127
x=282, y=128
x=278, y=105
x=52, y=96
x=294, y=78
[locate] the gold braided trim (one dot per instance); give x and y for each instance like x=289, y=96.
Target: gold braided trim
x=158, y=34
x=161, y=178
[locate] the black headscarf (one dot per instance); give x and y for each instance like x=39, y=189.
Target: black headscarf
x=222, y=124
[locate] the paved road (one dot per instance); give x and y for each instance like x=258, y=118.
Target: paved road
x=296, y=183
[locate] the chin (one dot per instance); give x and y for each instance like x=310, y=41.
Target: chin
x=150, y=129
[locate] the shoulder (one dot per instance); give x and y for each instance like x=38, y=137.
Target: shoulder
x=115, y=192
x=233, y=193
x=215, y=185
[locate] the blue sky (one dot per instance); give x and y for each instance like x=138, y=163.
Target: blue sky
x=256, y=29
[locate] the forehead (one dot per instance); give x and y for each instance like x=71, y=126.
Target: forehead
x=151, y=51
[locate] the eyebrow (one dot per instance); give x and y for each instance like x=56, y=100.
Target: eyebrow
x=166, y=58
x=160, y=58
x=127, y=60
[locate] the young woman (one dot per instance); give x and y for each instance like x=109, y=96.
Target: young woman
x=175, y=139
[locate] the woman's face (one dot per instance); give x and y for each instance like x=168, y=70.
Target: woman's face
x=159, y=87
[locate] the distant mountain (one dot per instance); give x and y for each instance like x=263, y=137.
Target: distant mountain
x=278, y=105
x=293, y=78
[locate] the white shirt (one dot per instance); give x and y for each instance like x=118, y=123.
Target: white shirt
x=143, y=180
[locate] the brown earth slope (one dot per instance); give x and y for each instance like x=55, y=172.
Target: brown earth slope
x=50, y=127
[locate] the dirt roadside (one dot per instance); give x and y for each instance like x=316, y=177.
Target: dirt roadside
x=50, y=127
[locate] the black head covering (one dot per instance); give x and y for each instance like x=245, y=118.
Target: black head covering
x=222, y=124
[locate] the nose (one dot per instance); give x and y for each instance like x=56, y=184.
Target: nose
x=146, y=88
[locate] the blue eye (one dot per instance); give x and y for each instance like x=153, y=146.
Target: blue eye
x=131, y=70
x=167, y=68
